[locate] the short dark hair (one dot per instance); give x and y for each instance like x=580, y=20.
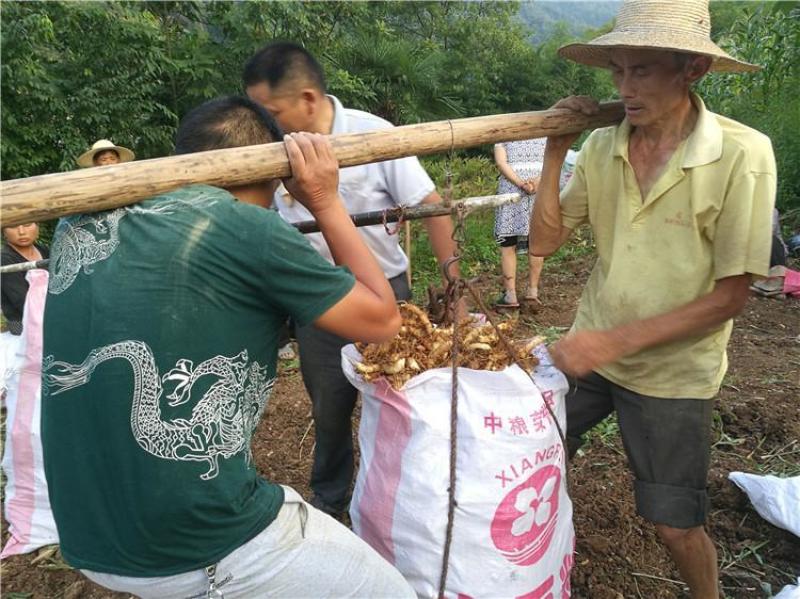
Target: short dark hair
x=283, y=62
x=227, y=122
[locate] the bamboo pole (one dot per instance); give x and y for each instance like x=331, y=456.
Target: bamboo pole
x=362, y=219
x=101, y=188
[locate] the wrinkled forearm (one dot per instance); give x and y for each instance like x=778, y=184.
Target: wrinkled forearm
x=546, y=226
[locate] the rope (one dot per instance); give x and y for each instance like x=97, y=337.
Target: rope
x=455, y=291
x=399, y=222
x=448, y=173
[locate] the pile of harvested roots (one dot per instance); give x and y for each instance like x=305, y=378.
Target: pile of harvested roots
x=420, y=346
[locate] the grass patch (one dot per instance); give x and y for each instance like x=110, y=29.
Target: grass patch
x=471, y=177
x=723, y=439
x=606, y=432
x=551, y=334
x=782, y=461
x=479, y=253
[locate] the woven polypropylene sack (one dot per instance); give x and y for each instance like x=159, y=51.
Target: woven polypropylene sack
x=512, y=531
x=27, y=505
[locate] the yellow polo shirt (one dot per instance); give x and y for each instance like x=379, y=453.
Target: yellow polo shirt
x=707, y=217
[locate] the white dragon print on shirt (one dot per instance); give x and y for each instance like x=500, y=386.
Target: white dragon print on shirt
x=222, y=420
x=90, y=238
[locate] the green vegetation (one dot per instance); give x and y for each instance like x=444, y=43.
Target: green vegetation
x=766, y=34
x=74, y=72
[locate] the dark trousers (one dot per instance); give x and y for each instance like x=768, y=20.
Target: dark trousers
x=332, y=399
x=667, y=442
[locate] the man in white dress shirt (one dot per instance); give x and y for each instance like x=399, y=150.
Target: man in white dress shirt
x=288, y=81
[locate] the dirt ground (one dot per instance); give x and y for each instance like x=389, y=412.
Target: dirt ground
x=756, y=429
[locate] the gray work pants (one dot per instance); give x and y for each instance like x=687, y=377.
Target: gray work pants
x=332, y=401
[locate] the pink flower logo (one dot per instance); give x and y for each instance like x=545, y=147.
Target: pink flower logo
x=535, y=507
x=525, y=521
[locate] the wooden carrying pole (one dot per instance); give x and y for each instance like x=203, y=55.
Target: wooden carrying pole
x=362, y=219
x=101, y=188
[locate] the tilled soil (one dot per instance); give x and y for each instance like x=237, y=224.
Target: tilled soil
x=618, y=555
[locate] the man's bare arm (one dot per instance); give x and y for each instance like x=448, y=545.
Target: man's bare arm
x=369, y=311
x=584, y=351
x=548, y=232
x=440, y=233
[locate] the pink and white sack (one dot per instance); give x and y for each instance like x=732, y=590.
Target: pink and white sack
x=27, y=505
x=512, y=531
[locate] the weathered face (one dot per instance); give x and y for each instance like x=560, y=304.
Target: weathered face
x=106, y=157
x=22, y=236
x=287, y=104
x=651, y=84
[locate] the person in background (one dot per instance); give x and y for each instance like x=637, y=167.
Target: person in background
x=568, y=169
x=289, y=82
x=520, y=166
x=679, y=200
x=103, y=153
x=19, y=245
x=780, y=251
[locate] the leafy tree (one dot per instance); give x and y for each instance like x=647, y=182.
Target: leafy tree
x=73, y=72
x=766, y=34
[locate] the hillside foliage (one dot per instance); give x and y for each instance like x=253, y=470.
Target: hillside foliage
x=74, y=72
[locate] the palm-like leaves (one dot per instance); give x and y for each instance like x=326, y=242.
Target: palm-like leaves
x=402, y=75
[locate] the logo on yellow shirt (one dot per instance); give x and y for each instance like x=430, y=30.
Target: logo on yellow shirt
x=680, y=220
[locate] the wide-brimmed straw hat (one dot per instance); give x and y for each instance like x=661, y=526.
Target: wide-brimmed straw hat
x=677, y=25
x=101, y=145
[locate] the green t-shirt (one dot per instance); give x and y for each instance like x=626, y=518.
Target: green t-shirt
x=160, y=341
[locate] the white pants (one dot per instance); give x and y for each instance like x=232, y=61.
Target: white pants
x=303, y=553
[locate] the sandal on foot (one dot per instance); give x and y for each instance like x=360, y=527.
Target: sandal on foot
x=532, y=297
x=505, y=302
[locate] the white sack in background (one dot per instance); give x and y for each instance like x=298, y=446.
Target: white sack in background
x=27, y=505
x=777, y=500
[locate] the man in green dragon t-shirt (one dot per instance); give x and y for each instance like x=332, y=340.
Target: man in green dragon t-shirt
x=161, y=332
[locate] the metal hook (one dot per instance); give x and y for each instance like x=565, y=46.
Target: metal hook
x=399, y=223
x=446, y=269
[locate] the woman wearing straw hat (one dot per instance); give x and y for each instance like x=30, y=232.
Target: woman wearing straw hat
x=679, y=200
x=103, y=152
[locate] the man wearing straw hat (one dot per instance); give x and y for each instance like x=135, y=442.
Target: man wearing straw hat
x=679, y=200
x=104, y=152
